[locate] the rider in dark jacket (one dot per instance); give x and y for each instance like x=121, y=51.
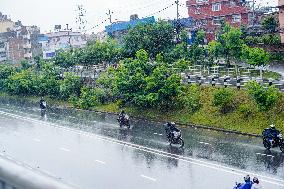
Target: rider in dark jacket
x=42, y=104
x=121, y=114
x=272, y=132
x=247, y=184
x=170, y=128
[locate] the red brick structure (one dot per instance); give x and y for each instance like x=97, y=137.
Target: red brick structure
x=208, y=13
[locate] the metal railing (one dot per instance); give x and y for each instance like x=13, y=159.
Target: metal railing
x=16, y=176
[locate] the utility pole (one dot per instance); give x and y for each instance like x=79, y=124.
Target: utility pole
x=177, y=22
x=68, y=33
x=81, y=18
x=110, y=15
x=253, y=13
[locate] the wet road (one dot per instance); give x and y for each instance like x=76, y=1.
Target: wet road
x=89, y=150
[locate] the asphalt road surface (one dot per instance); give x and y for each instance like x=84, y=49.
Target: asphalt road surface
x=89, y=150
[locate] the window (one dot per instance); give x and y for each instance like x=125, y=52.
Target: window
x=201, y=1
x=236, y=18
x=204, y=22
x=216, y=21
x=233, y=4
x=197, y=10
x=216, y=7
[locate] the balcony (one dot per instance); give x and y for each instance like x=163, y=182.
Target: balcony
x=28, y=55
x=28, y=36
x=27, y=46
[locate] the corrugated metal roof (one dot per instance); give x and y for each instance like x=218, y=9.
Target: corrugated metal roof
x=130, y=24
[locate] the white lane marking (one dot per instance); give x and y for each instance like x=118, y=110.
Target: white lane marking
x=161, y=134
x=204, y=143
x=202, y=163
x=264, y=155
x=101, y=162
x=36, y=139
x=149, y=178
x=155, y=133
x=64, y=149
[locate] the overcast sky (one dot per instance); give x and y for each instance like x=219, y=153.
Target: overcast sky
x=47, y=13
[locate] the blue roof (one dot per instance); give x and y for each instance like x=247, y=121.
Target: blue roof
x=42, y=38
x=130, y=24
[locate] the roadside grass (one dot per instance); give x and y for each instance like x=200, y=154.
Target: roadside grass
x=245, y=116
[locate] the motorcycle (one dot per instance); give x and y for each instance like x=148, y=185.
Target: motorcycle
x=238, y=185
x=124, y=121
x=244, y=185
x=175, y=138
x=271, y=142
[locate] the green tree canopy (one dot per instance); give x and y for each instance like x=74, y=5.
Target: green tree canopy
x=270, y=24
x=154, y=38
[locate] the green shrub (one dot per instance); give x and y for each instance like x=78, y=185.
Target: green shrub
x=22, y=83
x=71, y=85
x=182, y=64
x=90, y=97
x=264, y=96
x=190, y=100
x=245, y=110
x=223, y=98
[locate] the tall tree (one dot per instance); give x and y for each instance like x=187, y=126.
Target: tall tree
x=269, y=24
x=154, y=38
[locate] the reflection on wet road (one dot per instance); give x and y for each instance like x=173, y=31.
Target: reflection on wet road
x=89, y=150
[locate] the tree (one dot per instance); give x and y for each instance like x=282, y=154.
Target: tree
x=64, y=59
x=230, y=43
x=5, y=72
x=270, y=24
x=255, y=56
x=98, y=52
x=197, y=51
x=265, y=97
x=71, y=85
x=154, y=38
x=138, y=82
x=223, y=98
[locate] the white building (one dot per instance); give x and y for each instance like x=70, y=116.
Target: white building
x=52, y=42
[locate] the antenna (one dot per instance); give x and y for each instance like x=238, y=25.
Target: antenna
x=81, y=18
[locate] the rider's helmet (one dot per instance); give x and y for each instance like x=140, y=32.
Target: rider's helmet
x=272, y=126
x=247, y=178
x=173, y=123
x=255, y=180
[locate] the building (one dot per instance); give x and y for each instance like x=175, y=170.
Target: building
x=52, y=42
x=5, y=23
x=100, y=36
x=281, y=19
x=119, y=29
x=207, y=14
x=17, y=42
x=3, y=48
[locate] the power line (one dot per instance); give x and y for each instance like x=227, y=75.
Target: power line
x=110, y=19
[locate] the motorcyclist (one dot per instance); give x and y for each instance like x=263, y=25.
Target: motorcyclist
x=271, y=133
x=256, y=184
x=42, y=104
x=247, y=184
x=122, y=115
x=171, y=129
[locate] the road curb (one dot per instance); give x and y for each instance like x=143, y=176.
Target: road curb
x=181, y=124
x=162, y=122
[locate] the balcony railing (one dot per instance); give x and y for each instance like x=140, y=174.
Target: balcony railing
x=27, y=46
